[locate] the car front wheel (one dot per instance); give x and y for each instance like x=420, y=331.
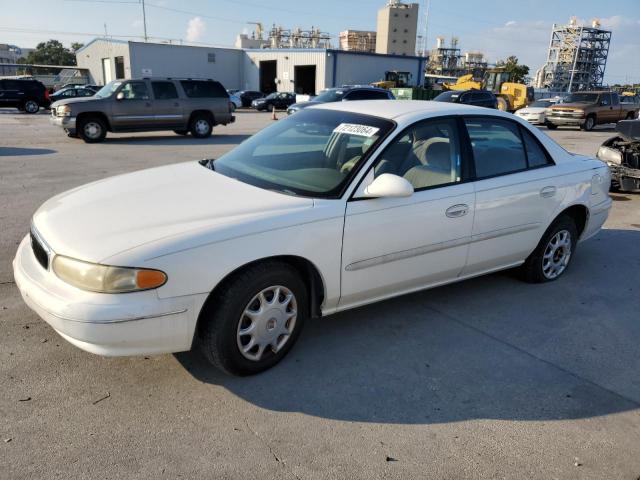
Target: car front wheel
x=92, y=130
x=551, y=257
x=255, y=320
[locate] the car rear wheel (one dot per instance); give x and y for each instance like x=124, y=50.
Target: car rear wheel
x=553, y=254
x=201, y=126
x=255, y=320
x=92, y=130
x=551, y=126
x=31, y=106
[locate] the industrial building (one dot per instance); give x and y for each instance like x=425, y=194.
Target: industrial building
x=300, y=70
x=397, y=28
x=10, y=54
x=358, y=41
x=450, y=61
x=577, y=57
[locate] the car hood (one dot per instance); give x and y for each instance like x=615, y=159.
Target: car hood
x=69, y=101
x=533, y=110
x=571, y=106
x=158, y=208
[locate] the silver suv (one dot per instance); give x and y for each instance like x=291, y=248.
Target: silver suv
x=182, y=105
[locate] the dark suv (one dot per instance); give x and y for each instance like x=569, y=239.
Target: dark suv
x=344, y=94
x=26, y=95
x=182, y=105
x=479, y=98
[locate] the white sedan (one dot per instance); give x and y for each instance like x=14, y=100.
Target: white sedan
x=338, y=206
x=535, y=113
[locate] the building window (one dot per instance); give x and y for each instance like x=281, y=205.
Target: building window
x=119, y=67
x=211, y=57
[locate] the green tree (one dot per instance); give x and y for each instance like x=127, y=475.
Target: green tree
x=75, y=46
x=518, y=72
x=52, y=53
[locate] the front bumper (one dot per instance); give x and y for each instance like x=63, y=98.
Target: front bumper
x=68, y=123
x=137, y=323
x=625, y=178
x=565, y=120
x=533, y=119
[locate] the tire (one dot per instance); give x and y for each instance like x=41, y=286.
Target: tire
x=31, y=107
x=589, y=123
x=630, y=116
x=232, y=107
x=503, y=105
x=201, y=126
x=92, y=129
x=551, y=126
x=224, y=316
x=181, y=132
x=537, y=268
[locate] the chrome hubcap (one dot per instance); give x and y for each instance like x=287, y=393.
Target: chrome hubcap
x=31, y=107
x=202, y=126
x=557, y=254
x=92, y=130
x=267, y=322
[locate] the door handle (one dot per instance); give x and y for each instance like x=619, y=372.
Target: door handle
x=456, y=211
x=548, y=192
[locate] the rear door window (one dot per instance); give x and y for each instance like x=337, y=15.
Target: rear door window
x=164, y=90
x=497, y=146
x=536, y=155
x=203, y=89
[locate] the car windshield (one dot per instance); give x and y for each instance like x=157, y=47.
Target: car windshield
x=108, y=89
x=332, y=95
x=313, y=153
x=541, y=103
x=449, y=96
x=272, y=95
x=582, y=98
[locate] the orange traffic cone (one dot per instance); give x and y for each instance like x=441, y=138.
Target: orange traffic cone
x=273, y=113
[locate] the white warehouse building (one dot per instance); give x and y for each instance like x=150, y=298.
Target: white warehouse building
x=302, y=71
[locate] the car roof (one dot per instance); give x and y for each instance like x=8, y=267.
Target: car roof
x=393, y=109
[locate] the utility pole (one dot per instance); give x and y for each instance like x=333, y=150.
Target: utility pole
x=144, y=20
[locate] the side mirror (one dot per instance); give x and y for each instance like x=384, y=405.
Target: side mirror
x=388, y=185
x=120, y=96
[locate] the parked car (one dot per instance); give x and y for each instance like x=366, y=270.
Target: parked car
x=344, y=94
x=588, y=109
x=248, y=96
x=181, y=105
x=279, y=100
x=235, y=101
x=630, y=100
x=71, y=92
x=340, y=205
x=27, y=95
x=535, y=112
x=479, y=98
x=622, y=154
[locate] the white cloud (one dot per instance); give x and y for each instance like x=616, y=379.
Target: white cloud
x=195, y=29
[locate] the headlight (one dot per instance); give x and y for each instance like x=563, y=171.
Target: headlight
x=609, y=155
x=104, y=278
x=63, y=111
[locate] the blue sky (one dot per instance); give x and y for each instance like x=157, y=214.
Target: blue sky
x=497, y=27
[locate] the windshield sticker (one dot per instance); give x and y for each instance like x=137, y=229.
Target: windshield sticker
x=355, y=129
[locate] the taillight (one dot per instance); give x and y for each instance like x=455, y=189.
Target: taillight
x=46, y=94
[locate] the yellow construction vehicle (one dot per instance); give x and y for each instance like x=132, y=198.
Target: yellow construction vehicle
x=511, y=96
x=394, y=79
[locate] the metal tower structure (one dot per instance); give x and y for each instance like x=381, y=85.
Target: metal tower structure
x=577, y=57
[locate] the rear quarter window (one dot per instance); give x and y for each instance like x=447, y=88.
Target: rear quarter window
x=203, y=89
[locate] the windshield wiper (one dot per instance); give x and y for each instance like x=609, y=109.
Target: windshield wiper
x=208, y=163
